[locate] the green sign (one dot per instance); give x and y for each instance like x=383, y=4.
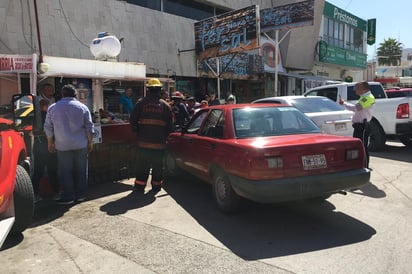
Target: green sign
x=371, y=32
x=340, y=56
x=340, y=15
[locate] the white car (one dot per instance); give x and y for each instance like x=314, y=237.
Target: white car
x=329, y=116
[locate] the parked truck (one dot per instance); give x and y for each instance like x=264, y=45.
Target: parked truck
x=16, y=190
x=392, y=117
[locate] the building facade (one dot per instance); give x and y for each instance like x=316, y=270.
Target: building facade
x=160, y=34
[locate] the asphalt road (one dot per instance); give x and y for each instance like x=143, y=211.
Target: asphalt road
x=178, y=230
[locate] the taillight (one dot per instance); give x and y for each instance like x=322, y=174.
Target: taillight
x=403, y=111
x=274, y=162
x=266, y=167
x=352, y=154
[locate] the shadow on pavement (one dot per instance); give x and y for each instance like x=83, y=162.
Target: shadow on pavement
x=370, y=190
x=132, y=201
x=12, y=241
x=394, y=152
x=47, y=210
x=260, y=231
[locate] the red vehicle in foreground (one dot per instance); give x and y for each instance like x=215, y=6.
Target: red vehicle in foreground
x=266, y=153
x=16, y=190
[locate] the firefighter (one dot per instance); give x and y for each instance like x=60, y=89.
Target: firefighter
x=152, y=120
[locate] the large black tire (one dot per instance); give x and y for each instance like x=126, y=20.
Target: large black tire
x=406, y=140
x=23, y=201
x=377, y=137
x=170, y=166
x=225, y=197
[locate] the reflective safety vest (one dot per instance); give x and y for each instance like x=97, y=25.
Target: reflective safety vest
x=366, y=100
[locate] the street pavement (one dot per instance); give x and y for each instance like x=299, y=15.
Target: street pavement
x=178, y=230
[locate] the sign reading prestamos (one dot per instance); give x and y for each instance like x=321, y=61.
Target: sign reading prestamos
x=288, y=16
x=234, y=31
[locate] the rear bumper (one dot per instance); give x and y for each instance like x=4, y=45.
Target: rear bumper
x=298, y=188
x=404, y=128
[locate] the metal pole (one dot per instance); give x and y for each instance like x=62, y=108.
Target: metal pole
x=218, y=77
x=276, y=61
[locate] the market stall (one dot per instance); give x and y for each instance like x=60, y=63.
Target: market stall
x=100, y=85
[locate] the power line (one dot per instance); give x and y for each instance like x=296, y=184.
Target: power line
x=70, y=28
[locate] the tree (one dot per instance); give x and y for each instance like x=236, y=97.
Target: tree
x=389, y=52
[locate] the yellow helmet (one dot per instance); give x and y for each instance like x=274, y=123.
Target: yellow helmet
x=154, y=82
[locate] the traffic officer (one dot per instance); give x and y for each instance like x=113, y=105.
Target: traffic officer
x=151, y=119
x=363, y=113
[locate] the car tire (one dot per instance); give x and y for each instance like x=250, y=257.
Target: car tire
x=377, y=138
x=170, y=166
x=225, y=197
x=406, y=140
x=23, y=200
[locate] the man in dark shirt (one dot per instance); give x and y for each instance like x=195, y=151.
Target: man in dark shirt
x=152, y=120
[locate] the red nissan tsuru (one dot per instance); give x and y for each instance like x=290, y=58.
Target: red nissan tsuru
x=266, y=153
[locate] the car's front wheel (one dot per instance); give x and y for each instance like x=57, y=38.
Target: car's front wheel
x=225, y=197
x=23, y=200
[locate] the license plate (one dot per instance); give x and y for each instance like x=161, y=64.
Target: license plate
x=340, y=127
x=314, y=161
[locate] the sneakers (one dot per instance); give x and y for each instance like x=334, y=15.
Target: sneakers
x=156, y=188
x=65, y=201
x=138, y=188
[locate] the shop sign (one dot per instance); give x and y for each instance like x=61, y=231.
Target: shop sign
x=340, y=56
x=371, y=32
x=288, y=16
x=340, y=15
x=233, y=66
x=231, y=32
x=16, y=63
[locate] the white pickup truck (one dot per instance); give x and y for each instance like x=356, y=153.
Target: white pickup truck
x=392, y=116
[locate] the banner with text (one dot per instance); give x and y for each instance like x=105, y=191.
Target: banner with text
x=288, y=16
x=231, y=32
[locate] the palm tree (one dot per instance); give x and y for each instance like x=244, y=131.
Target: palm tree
x=389, y=52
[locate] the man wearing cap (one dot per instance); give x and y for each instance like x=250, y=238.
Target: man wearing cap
x=152, y=120
x=180, y=112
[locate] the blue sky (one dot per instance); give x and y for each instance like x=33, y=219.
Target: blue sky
x=392, y=19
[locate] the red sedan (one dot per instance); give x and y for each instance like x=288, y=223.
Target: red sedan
x=266, y=153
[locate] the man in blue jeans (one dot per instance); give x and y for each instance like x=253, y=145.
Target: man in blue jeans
x=69, y=130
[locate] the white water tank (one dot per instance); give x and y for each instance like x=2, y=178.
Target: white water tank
x=105, y=46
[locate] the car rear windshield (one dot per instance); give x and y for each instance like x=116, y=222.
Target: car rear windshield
x=312, y=105
x=399, y=93
x=271, y=121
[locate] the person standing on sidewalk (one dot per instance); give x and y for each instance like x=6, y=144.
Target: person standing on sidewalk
x=152, y=120
x=69, y=130
x=363, y=114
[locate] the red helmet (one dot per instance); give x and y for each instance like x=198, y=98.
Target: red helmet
x=177, y=95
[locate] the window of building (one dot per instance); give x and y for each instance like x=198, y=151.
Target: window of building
x=151, y=4
x=340, y=35
x=185, y=8
x=333, y=32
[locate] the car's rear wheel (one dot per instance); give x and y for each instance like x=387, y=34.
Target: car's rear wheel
x=225, y=197
x=406, y=140
x=171, y=168
x=23, y=200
